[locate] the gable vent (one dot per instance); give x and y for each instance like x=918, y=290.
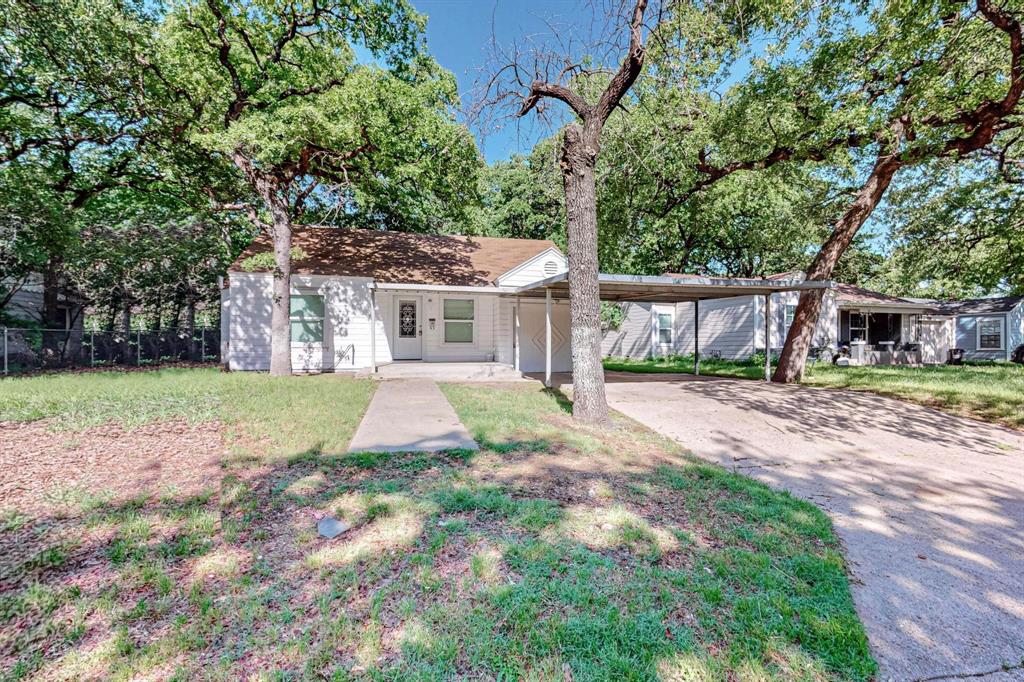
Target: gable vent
x=550, y=268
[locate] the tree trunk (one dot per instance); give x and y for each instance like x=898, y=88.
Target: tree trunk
x=798, y=342
x=579, y=156
x=190, y=326
x=127, y=357
x=280, y=311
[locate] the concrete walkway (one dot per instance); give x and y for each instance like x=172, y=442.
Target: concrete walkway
x=930, y=506
x=410, y=415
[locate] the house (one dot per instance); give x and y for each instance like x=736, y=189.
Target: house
x=26, y=303
x=362, y=298
x=877, y=328
x=985, y=328
x=398, y=295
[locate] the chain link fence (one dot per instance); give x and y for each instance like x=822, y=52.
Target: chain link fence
x=26, y=350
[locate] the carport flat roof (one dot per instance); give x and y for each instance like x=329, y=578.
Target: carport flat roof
x=661, y=289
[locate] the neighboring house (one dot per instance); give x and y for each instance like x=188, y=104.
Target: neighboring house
x=27, y=304
x=398, y=296
x=876, y=327
x=985, y=328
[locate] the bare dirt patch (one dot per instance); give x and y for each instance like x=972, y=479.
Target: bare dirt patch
x=41, y=468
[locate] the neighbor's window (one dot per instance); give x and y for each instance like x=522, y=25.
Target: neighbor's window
x=790, y=313
x=307, y=319
x=858, y=327
x=665, y=328
x=990, y=334
x=458, y=320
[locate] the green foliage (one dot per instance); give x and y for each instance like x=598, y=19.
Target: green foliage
x=957, y=232
x=312, y=128
x=265, y=260
x=612, y=316
x=522, y=198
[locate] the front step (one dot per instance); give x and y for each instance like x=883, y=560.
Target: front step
x=449, y=372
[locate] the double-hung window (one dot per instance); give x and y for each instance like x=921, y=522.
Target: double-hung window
x=459, y=320
x=990, y=333
x=665, y=329
x=789, y=314
x=307, y=318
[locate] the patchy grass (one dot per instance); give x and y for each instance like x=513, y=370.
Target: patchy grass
x=284, y=414
x=556, y=552
x=683, y=364
x=993, y=392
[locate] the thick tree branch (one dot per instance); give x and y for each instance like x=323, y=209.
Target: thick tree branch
x=630, y=69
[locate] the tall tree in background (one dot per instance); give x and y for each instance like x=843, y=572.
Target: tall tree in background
x=74, y=117
x=920, y=81
x=957, y=229
x=275, y=87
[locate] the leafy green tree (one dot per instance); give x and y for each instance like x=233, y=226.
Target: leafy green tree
x=880, y=88
x=957, y=230
x=520, y=198
x=73, y=117
x=276, y=88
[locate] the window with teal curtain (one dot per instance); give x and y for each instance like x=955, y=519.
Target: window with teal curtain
x=307, y=318
x=458, y=320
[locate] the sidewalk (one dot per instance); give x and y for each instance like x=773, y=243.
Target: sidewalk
x=410, y=415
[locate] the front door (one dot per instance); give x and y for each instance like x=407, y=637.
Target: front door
x=408, y=329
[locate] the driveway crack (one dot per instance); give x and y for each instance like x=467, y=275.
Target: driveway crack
x=973, y=675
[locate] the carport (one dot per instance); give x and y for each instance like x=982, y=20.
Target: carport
x=664, y=289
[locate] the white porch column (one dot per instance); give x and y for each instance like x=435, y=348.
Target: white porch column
x=515, y=334
x=373, y=327
x=547, y=337
x=767, y=337
x=696, y=338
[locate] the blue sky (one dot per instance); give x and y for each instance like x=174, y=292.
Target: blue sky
x=459, y=34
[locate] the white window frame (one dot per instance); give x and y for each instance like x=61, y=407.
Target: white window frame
x=322, y=320
x=788, y=315
x=671, y=327
x=864, y=328
x=472, y=322
x=656, y=311
x=1002, y=333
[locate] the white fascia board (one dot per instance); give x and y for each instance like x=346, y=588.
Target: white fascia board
x=550, y=251
x=909, y=308
x=385, y=286
x=693, y=282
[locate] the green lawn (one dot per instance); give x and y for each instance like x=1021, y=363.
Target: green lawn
x=994, y=392
x=556, y=552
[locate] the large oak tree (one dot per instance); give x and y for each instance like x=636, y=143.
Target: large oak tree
x=276, y=87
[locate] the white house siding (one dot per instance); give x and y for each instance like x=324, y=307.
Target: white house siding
x=541, y=266
x=826, y=332
x=731, y=327
x=633, y=337
x=486, y=337
x=966, y=337
x=249, y=341
x=727, y=327
x=26, y=303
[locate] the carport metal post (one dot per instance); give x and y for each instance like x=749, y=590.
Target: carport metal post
x=767, y=337
x=696, y=337
x=547, y=337
x=373, y=328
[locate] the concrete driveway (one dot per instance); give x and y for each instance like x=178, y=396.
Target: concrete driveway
x=930, y=506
